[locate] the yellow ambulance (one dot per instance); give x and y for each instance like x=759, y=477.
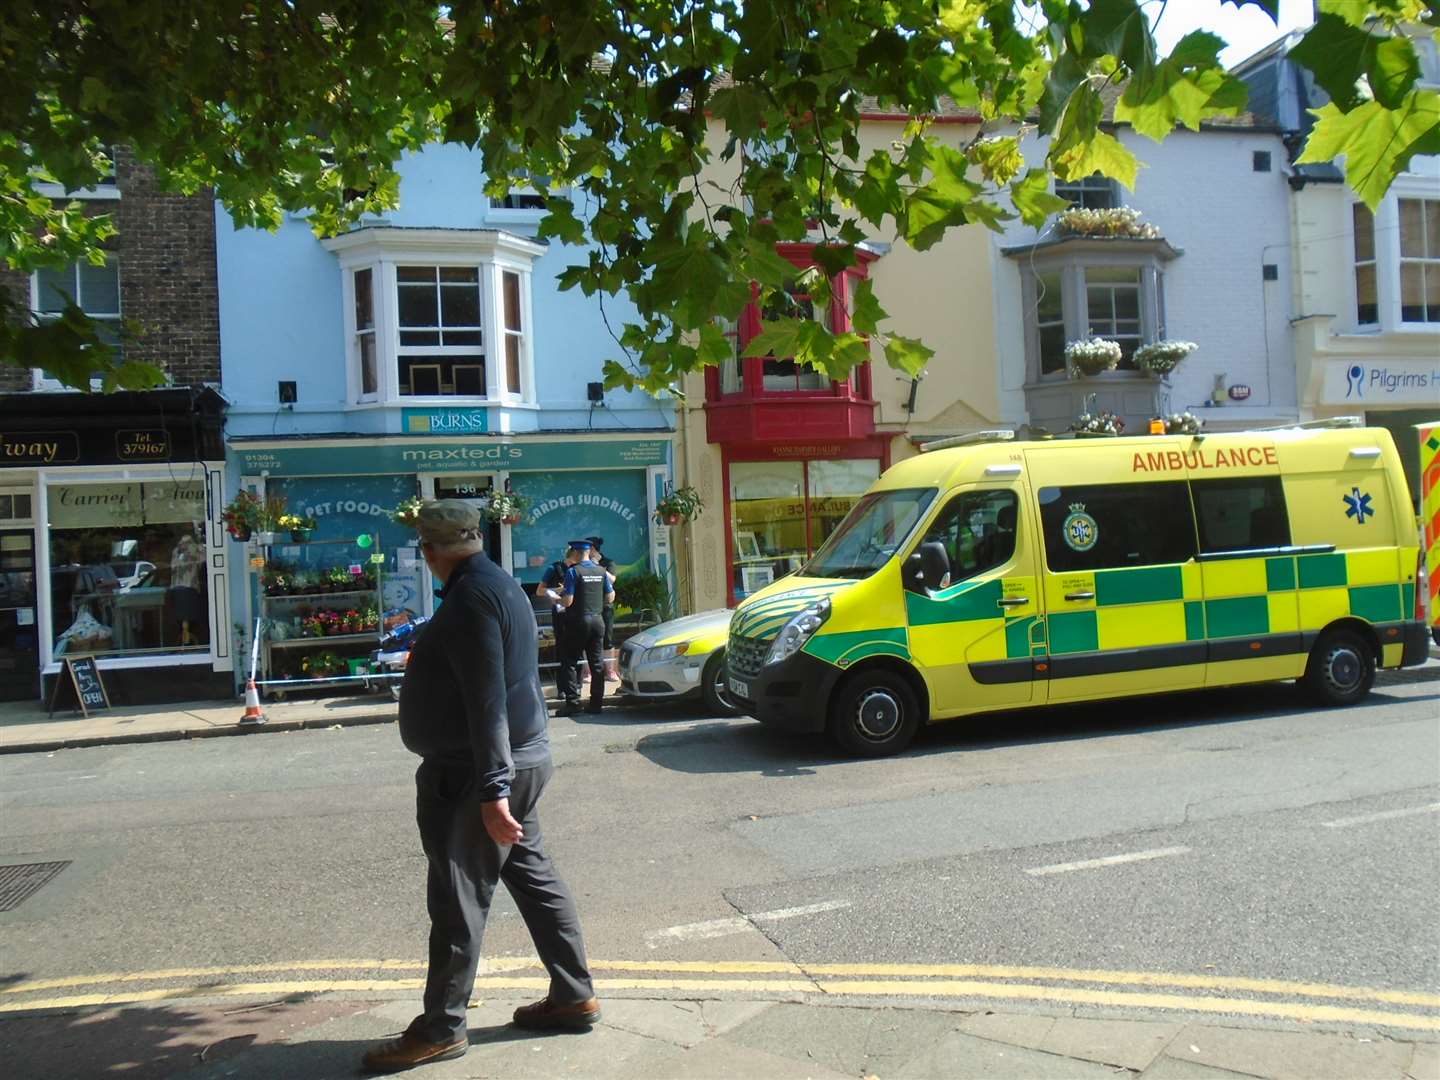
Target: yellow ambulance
x=991, y=574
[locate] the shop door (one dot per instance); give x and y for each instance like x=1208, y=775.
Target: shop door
x=974, y=618
x=19, y=642
x=475, y=490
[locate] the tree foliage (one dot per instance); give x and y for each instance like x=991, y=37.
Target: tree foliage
x=307, y=106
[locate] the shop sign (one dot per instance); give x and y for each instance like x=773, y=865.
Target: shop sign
x=808, y=450
x=442, y=421
x=1381, y=383
x=151, y=444
x=39, y=447
x=440, y=456
x=82, y=506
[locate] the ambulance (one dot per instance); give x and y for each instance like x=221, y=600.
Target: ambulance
x=992, y=574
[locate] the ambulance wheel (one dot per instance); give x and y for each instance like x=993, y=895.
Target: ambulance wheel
x=1341, y=668
x=874, y=713
x=712, y=687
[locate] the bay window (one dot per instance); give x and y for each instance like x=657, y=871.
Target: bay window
x=1396, y=259
x=438, y=314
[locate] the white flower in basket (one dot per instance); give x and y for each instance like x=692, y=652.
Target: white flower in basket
x=1092, y=357
x=1160, y=357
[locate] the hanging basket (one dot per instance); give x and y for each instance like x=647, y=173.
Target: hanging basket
x=240, y=533
x=671, y=519
x=511, y=519
x=299, y=536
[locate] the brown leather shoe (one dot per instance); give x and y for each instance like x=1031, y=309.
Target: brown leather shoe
x=548, y=1014
x=408, y=1051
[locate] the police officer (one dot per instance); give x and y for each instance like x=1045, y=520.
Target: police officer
x=612, y=669
x=551, y=584
x=586, y=591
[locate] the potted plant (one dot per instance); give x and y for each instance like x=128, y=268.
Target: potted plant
x=1123, y=221
x=299, y=526
x=508, y=507
x=408, y=511
x=642, y=590
x=1160, y=357
x=271, y=511
x=679, y=504
x=242, y=515
x=1185, y=423
x=1102, y=423
x=1092, y=357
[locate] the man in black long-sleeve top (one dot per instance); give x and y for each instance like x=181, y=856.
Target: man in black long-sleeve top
x=472, y=708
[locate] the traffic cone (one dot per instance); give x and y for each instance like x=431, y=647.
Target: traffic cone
x=252, y=713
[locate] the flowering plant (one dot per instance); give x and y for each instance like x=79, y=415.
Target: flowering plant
x=682, y=502
x=1160, y=357
x=321, y=664
x=507, y=506
x=1092, y=357
x=1185, y=423
x=408, y=511
x=1103, y=423
x=1116, y=221
x=294, y=522
x=243, y=514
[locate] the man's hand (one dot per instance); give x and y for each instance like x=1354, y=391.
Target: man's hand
x=503, y=828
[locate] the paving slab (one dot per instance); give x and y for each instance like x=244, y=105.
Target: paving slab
x=1424, y=1062
x=721, y=1059
x=1292, y=1055
x=857, y=1041
x=1127, y=1044
x=1174, y=1068
x=962, y=1055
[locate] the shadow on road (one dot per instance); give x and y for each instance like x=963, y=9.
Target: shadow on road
x=738, y=746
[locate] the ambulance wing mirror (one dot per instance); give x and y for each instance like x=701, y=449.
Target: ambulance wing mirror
x=927, y=567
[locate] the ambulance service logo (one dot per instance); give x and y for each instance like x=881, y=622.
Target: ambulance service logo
x=1358, y=506
x=1079, y=529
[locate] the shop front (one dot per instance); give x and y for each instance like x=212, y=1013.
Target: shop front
x=110, y=543
x=351, y=486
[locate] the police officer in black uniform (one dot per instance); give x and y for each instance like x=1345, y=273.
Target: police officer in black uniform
x=586, y=591
x=612, y=670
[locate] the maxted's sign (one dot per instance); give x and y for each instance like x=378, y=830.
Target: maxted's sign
x=1238, y=457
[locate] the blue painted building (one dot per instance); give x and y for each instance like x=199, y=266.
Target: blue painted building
x=429, y=352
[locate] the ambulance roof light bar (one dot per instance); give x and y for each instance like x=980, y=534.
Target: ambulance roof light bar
x=967, y=440
x=1319, y=425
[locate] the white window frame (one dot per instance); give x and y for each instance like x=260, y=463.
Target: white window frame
x=1074, y=191
x=491, y=250
x=1387, y=258
x=1075, y=304
x=40, y=381
x=107, y=188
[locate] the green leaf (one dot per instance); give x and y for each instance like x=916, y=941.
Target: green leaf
x=1377, y=142
x=715, y=348
x=1032, y=197
x=561, y=223
x=907, y=354
x=1337, y=54
x=741, y=107
x=867, y=312
x=1393, y=70
x=778, y=338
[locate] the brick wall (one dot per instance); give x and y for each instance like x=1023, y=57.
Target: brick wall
x=166, y=248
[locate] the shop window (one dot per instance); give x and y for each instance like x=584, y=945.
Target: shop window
x=976, y=532
x=782, y=511
x=1093, y=192
x=1241, y=513
x=128, y=568
x=1115, y=526
x=15, y=507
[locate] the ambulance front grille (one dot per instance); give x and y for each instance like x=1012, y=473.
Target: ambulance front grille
x=746, y=655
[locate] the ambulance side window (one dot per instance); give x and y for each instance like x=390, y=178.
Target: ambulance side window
x=1241, y=513
x=1110, y=526
x=977, y=531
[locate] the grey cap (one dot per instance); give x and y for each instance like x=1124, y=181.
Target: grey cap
x=448, y=521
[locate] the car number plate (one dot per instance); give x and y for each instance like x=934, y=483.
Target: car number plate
x=741, y=689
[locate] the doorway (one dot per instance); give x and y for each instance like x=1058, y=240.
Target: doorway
x=19, y=629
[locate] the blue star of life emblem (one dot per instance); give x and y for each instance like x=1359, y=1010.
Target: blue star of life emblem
x=1358, y=506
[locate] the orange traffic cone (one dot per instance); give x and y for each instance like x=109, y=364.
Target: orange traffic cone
x=252, y=713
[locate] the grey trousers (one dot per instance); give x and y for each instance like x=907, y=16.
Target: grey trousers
x=464, y=867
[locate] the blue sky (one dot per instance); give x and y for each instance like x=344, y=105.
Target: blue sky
x=1245, y=30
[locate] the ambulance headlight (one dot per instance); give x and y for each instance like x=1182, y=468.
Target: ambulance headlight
x=798, y=631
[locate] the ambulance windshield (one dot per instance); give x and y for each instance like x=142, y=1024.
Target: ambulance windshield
x=871, y=533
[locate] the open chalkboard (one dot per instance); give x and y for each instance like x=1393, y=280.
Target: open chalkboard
x=83, y=678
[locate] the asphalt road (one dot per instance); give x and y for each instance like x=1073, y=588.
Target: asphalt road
x=1231, y=833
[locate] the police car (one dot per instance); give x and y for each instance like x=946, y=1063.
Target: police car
x=680, y=659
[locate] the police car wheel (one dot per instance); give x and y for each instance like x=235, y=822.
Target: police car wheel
x=874, y=714
x=1341, y=668
x=712, y=687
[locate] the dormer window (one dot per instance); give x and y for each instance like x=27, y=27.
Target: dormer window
x=438, y=314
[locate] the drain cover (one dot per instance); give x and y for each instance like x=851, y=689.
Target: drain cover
x=19, y=883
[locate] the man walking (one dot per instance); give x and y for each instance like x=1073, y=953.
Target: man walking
x=586, y=591
x=472, y=708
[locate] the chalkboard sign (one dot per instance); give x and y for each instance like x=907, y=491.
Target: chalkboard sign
x=84, y=679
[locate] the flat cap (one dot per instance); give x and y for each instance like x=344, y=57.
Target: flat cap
x=447, y=521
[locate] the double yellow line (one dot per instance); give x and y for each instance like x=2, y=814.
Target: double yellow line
x=1238, y=995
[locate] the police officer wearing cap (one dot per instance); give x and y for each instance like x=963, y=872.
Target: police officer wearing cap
x=586, y=591
x=612, y=671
